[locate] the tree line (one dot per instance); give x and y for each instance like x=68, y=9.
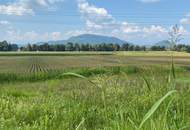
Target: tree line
x=101, y=47
x=5, y=46
x=83, y=47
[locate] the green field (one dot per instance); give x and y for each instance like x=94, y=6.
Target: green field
x=94, y=91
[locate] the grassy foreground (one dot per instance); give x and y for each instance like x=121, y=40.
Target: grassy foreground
x=129, y=98
x=94, y=91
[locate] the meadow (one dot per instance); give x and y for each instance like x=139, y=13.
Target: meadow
x=94, y=91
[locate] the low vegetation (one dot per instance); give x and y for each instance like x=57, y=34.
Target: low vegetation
x=41, y=92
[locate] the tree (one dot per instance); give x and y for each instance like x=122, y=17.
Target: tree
x=4, y=46
x=77, y=47
x=131, y=48
x=157, y=48
x=137, y=48
x=13, y=47
x=175, y=36
x=28, y=47
x=69, y=46
x=125, y=47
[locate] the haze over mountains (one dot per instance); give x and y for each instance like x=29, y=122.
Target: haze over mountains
x=99, y=39
x=164, y=43
x=89, y=38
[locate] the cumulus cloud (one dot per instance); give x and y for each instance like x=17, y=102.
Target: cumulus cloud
x=4, y=22
x=188, y=15
x=129, y=28
x=155, y=29
x=26, y=7
x=56, y=35
x=32, y=36
x=98, y=20
x=4, y=25
x=182, y=30
x=15, y=9
x=185, y=21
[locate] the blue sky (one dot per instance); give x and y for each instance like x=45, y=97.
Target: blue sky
x=138, y=21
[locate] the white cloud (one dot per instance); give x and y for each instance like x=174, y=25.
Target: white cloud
x=32, y=36
x=129, y=28
x=56, y=35
x=15, y=9
x=91, y=24
x=16, y=35
x=98, y=20
x=26, y=7
x=185, y=21
x=188, y=15
x=149, y=1
x=154, y=29
x=183, y=31
x=4, y=25
x=4, y=22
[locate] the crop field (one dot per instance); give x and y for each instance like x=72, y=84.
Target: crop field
x=95, y=91
x=45, y=62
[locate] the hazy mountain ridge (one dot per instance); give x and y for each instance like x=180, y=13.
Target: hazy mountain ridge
x=164, y=43
x=88, y=38
x=95, y=39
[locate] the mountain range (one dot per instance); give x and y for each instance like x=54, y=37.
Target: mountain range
x=164, y=43
x=99, y=39
x=88, y=38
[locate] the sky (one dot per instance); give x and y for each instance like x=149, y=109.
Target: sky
x=136, y=21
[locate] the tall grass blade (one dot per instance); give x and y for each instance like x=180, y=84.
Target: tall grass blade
x=78, y=76
x=173, y=68
x=133, y=123
x=74, y=75
x=80, y=124
x=155, y=107
x=185, y=127
x=147, y=83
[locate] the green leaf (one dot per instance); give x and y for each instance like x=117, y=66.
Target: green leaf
x=155, y=107
x=80, y=124
x=147, y=83
x=74, y=75
x=78, y=76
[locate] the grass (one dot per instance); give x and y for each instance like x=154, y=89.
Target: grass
x=118, y=101
x=108, y=97
x=153, y=53
x=46, y=53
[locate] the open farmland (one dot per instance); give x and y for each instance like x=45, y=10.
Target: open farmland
x=92, y=91
x=44, y=62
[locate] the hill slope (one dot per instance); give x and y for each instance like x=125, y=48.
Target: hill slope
x=164, y=43
x=95, y=39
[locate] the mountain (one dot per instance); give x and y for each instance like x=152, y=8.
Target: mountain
x=87, y=38
x=57, y=42
x=95, y=39
x=53, y=42
x=164, y=43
